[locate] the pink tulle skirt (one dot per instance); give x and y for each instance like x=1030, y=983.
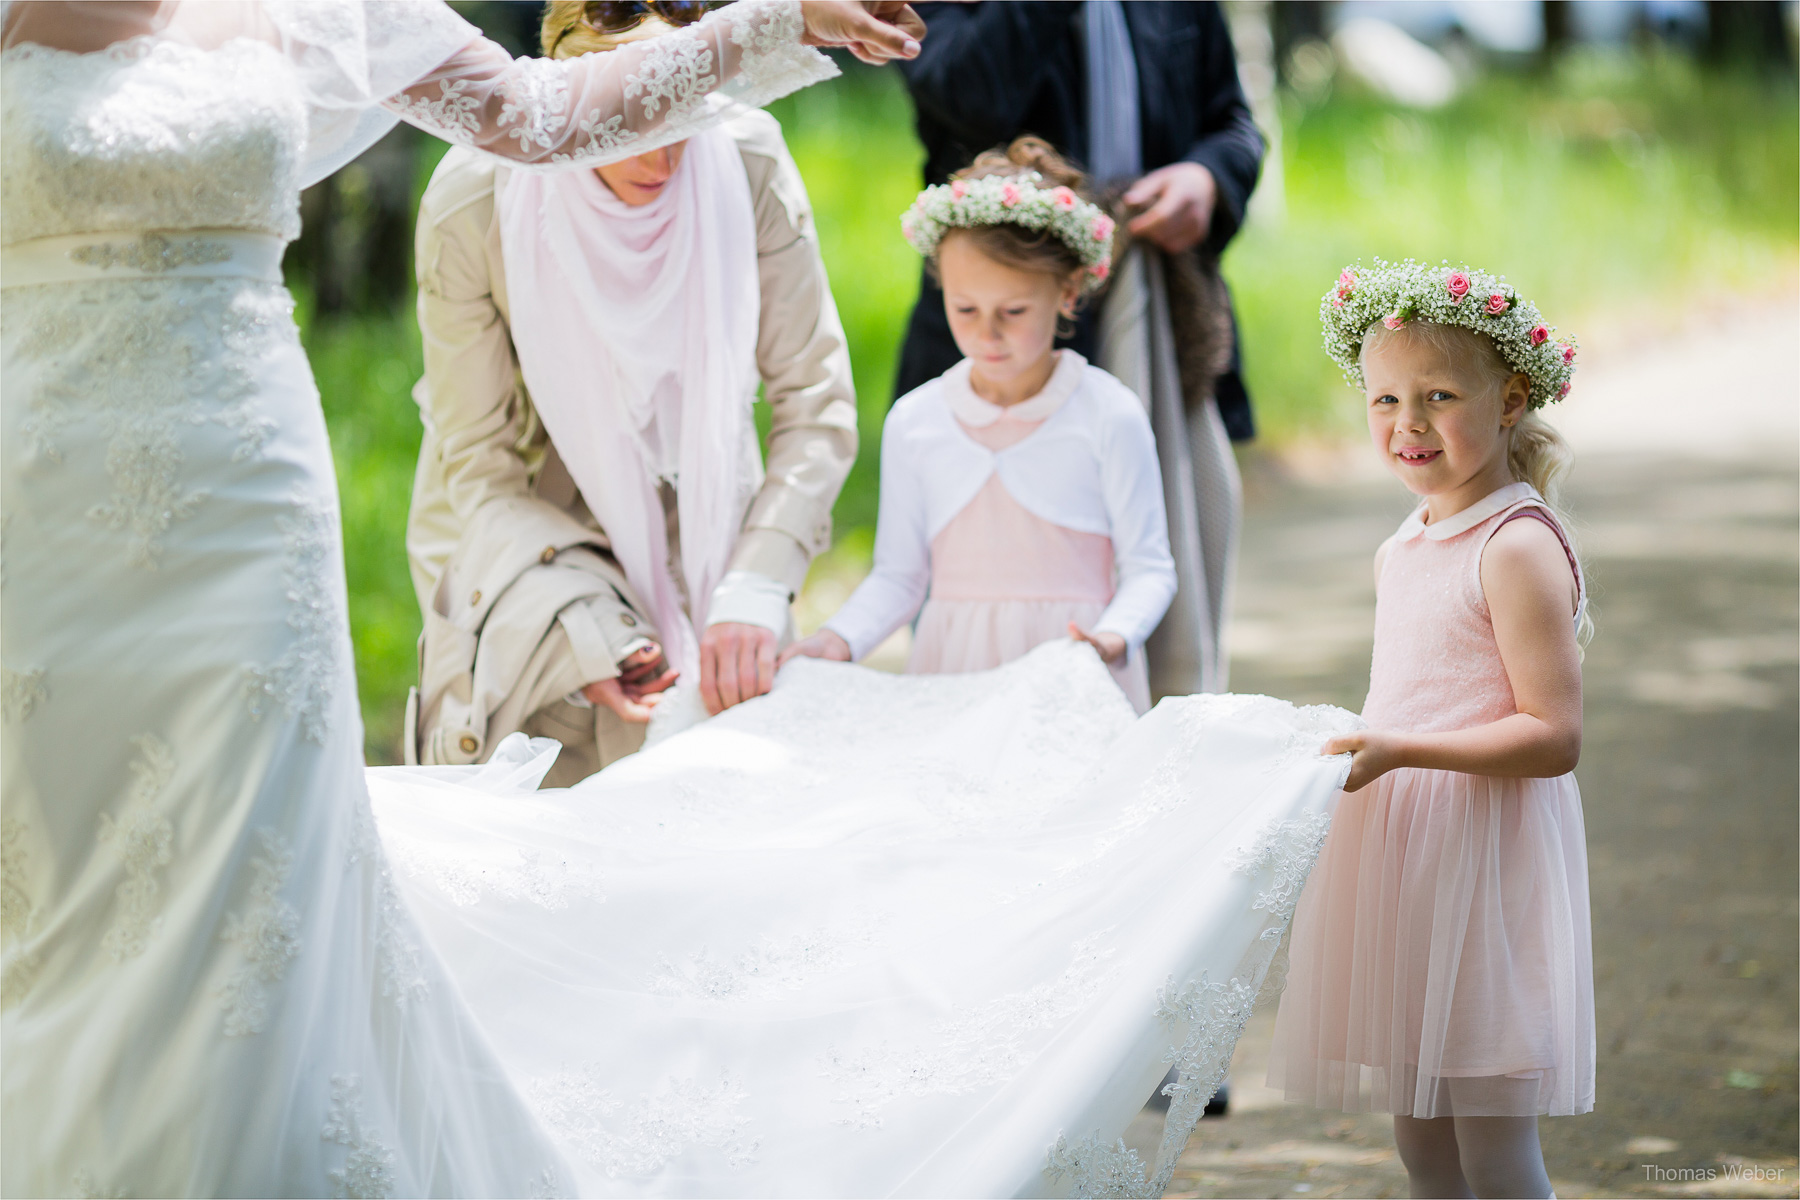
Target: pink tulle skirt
x=955, y=636
x=1441, y=960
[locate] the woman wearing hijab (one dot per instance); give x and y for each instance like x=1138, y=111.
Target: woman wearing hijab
x=591, y=516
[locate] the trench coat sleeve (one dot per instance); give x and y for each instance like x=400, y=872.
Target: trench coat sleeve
x=483, y=445
x=1230, y=146
x=804, y=362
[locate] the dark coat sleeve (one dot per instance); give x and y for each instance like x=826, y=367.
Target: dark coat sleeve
x=981, y=65
x=1229, y=144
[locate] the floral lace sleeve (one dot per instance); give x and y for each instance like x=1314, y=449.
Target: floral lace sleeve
x=600, y=108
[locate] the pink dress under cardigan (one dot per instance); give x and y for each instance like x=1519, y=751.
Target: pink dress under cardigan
x=999, y=579
x=1441, y=960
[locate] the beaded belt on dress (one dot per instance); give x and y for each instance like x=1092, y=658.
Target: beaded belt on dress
x=202, y=253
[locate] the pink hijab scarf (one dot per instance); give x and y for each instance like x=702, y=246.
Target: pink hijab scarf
x=636, y=333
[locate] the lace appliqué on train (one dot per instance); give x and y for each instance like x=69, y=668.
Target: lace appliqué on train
x=1286, y=850
x=23, y=692
x=136, y=362
x=766, y=970
x=267, y=934
x=399, y=962
x=144, y=840
x=18, y=966
x=368, y=1170
x=1096, y=1169
x=524, y=875
x=304, y=679
x=636, y=1139
x=969, y=1050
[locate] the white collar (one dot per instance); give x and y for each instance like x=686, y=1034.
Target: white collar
x=1494, y=502
x=971, y=409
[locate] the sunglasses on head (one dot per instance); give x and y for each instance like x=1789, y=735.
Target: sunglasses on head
x=618, y=16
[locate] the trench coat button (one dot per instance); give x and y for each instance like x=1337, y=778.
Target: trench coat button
x=475, y=598
x=549, y=555
x=468, y=743
x=627, y=620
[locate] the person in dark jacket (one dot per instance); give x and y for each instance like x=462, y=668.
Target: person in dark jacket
x=992, y=71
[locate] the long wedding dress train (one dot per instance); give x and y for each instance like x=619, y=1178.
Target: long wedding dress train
x=875, y=934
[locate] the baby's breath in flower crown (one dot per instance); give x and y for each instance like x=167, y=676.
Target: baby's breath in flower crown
x=1395, y=294
x=1013, y=200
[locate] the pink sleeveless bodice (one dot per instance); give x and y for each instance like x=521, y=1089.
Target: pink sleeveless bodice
x=1436, y=665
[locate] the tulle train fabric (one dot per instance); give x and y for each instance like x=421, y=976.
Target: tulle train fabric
x=875, y=934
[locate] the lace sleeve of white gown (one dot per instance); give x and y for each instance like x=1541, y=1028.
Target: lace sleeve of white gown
x=1132, y=483
x=600, y=108
x=351, y=56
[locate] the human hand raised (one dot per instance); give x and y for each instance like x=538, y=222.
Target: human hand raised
x=1110, y=646
x=1178, y=202
x=1373, y=754
x=737, y=663
x=634, y=691
x=876, y=31
x=823, y=644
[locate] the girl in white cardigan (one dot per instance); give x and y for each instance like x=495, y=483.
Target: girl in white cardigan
x=1020, y=495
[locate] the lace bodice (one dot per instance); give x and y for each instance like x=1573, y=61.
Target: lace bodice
x=150, y=134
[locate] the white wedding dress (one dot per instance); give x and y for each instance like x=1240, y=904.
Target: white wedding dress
x=874, y=934
x=867, y=935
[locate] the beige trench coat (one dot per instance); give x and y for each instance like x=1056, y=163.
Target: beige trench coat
x=523, y=604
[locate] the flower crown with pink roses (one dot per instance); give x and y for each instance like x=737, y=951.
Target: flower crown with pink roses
x=1014, y=200
x=1395, y=294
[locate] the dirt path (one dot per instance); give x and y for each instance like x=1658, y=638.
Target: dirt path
x=1687, y=499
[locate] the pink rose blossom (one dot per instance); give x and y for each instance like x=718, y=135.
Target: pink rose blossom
x=1496, y=305
x=1392, y=321
x=1346, y=280
x=958, y=189
x=1063, y=198
x=1100, y=270
x=1562, y=391
x=1337, y=302
x=1568, y=354
x=1009, y=195
x=1103, y=228
x=1539, y=335
x=1457, y=285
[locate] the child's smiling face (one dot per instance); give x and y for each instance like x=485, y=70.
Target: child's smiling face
x=1441, y=420
x=1003, y=318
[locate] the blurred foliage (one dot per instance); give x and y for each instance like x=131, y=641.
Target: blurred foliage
x=1610, y=184
x=1608, y=187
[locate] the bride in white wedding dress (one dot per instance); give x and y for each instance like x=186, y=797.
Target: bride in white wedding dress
x=867, y=935
x=210, y=982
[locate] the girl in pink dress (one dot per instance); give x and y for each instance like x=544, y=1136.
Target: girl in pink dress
x=1020, y=494
x=1441, y=966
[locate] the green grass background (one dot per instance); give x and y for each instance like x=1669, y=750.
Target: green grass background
x=1612, y=185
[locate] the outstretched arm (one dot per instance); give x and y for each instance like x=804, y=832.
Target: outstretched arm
x=599, y=108
x=1530, y=590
